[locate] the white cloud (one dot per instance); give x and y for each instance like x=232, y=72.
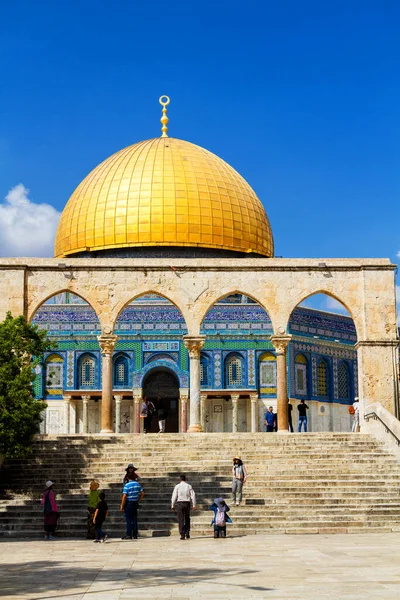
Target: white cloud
x=335, y=305
x=26, y=228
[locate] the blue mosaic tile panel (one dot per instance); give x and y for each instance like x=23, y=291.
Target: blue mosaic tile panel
x=312, y=322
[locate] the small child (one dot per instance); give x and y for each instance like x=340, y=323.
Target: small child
x=221, y=517
x=93, y=500
x=99, y=517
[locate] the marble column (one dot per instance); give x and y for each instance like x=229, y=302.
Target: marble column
x=107, y=345
x=184, y=413
x=67, y=413
x=235, y=402
x=281, y=343
x=254, y=412
x=85, y=415
x=194, y=345
x=203, y=411
x=118, y=400
x=137, y=400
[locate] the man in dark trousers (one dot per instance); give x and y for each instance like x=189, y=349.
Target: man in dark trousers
x=182, y=496
x=302, y=408
x=270, y=419
x=132, y=494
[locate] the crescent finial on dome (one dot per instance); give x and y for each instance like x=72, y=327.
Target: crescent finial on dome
x=164, y=101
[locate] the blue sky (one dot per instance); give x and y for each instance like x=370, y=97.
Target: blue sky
x=302, y=98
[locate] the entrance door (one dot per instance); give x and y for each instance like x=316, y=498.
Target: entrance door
x=162, y=387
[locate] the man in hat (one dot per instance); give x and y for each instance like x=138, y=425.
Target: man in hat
x=182, y=495
x=132, y=494
x=239, y=476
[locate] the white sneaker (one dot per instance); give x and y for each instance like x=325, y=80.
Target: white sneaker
x=237, y=503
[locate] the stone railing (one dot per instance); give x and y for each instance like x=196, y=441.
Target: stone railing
x=383, y=426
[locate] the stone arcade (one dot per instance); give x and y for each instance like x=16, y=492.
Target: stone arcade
x=164, y=280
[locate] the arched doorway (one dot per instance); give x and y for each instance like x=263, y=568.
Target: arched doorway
x=161, y=386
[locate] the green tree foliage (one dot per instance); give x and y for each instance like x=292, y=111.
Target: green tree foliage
x=21, y=348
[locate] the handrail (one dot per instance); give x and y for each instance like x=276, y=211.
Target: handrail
x=375, y=416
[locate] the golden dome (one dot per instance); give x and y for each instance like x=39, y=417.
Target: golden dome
x=164, y=192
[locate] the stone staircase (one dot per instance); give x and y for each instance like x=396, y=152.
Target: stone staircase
x=298, y=483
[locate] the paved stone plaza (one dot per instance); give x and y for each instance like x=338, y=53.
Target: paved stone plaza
x=276, y=566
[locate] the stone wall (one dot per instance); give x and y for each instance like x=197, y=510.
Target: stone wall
x=364, y=286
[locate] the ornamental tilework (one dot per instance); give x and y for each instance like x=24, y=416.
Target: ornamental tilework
x=160, y=346
x=314, y=376
x=326, y=349
x=70, y=370
x=251, y=374
x=312, y=322
x=335, y=378
x=217, y=369
x=183, y=357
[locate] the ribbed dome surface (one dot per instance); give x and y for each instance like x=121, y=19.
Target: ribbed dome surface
x=164, y=192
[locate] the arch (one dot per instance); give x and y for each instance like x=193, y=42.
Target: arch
x=161, y=386
x=233, y=370
x=344, y=380
x=352, y=313
x=123, y=304
x=38, y=305
x=140, y=375
x=161, y=356
x=225, y=294
x=87, y=371
x=121, y=370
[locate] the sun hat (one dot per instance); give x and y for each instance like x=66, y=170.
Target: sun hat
x=130, y=466
x=236, y=458
x=48, y=484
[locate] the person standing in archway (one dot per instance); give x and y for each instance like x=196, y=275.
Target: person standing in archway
x=162, y=414
x=147, y=412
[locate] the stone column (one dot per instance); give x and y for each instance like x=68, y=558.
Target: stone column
x=107, y=345
x=280, y=343
x=118, y=399
x=67, y=414
x=203, y=411
x=254, y=412
x=194, y=345
x=184, y=414
x=235, y=402
x=137, y=400
x=85, y=416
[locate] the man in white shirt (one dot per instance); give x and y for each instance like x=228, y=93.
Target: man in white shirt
x=182, y=495
x=356, y=415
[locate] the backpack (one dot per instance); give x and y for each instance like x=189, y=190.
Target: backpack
x=351, y=410
x=220, y=518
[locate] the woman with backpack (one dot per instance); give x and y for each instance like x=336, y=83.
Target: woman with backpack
x=50, y=512
x=221, y=517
